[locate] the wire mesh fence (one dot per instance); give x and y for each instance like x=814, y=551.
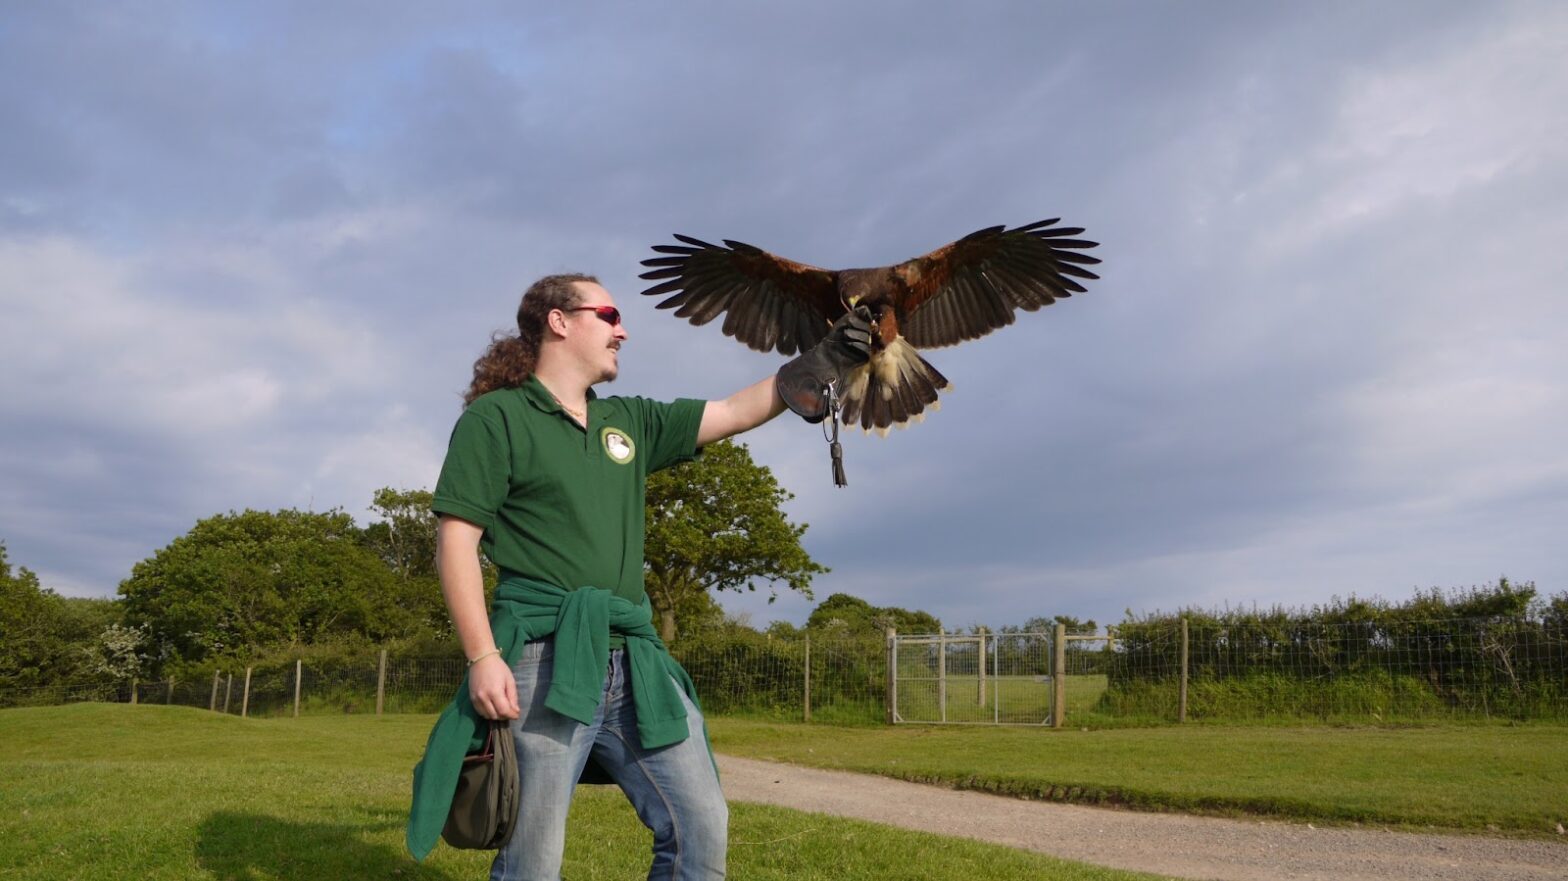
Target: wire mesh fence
x=973, y=678
x=69, y=693
x=1455, y=668
x=1139, y=673
x=1087, y=662
x=841, y=680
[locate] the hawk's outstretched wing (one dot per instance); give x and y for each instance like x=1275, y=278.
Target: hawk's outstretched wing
x=966, y=289
x=773, y=303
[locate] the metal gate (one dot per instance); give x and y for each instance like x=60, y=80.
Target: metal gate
x=975, y=679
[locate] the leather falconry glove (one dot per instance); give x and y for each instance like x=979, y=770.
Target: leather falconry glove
x=803, y=382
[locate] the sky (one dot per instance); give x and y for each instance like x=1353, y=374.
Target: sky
x=248, y=253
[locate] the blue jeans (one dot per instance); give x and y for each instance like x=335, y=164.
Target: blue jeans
x=674, y=788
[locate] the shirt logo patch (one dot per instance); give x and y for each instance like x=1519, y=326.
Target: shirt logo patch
x=617, y=445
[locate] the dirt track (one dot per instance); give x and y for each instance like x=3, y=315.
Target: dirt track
x=1165, y=844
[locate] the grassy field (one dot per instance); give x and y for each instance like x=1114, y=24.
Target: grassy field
x=1013, y=699
x=109, y=792
x=1510, y=779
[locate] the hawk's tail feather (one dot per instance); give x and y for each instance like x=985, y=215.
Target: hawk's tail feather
x=893, y=389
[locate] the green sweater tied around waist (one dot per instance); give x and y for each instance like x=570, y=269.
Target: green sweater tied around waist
x=582, y=621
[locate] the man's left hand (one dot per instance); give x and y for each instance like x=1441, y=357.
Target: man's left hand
x=803, y=382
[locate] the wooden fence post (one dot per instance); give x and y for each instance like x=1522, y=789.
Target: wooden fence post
x=808, y=677
x=892, y=676
x=980, y=662
x=1181, y=712
x=941, y=672
x=212, y=702
x=1059, y=676
x=298, y=667
x=381, y=682
x=134, y=685
x=996, y=679
x=245, y=701
x=228, y=691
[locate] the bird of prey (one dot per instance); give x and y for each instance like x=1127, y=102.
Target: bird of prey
x=961, y=291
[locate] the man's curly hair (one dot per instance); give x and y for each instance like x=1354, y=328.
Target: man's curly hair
x=511, y=358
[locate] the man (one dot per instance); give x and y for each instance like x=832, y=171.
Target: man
x=549, y=480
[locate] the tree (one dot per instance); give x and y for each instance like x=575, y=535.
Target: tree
x=41, y=633
x=715, y=523
x=26, y=615
x=697, y=613
x=854, y=615
x=782, y=630
x=405, y=539
x=242, y=583
x=841, y=612
x=406, y=535
x=1040, y=624
x=119, y=652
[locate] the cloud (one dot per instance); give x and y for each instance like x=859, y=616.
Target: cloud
x=127, y=396
x=1268, y=415
x=247, y=257
x=87, y=329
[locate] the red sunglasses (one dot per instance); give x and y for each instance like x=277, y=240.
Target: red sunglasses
x=608, y=314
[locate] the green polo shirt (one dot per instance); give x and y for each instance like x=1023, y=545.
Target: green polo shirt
x=559, y=504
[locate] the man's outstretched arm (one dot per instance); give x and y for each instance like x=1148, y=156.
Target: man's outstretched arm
x=742, y=411
x=848, y=345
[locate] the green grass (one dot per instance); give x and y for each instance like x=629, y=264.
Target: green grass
x=108, y=792
x=1510, y=779
x=1014, y=699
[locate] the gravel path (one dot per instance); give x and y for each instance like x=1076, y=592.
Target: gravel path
x=1165, y=844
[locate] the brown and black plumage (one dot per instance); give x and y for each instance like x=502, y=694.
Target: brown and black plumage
x=961, y=291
